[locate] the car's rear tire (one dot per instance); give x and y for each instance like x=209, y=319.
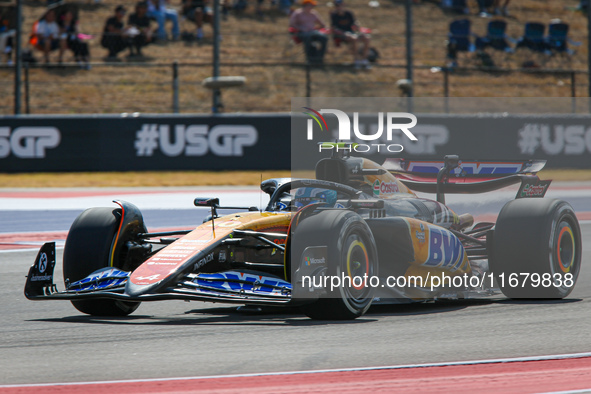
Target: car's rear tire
x=88, y=247
x=540, y=237
x=351, y=251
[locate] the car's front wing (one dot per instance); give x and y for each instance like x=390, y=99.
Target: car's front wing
x=109, y=283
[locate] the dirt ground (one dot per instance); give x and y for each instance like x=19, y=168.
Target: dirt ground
x=190, y=178
x=259, y=47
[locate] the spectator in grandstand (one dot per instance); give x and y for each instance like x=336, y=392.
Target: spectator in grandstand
x=259, y=7
x=74, y=40
x=139, y=28
x=49, y=37
x=307, y=23
x=115, y=37
x=456, y=6
x=285, y=6
x=7, y=32
x=157, y=10
x=198, y=12
x=485, y=8
x=345, y=28
x=501, y=10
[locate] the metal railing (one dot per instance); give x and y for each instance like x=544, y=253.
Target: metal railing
x=175, y=87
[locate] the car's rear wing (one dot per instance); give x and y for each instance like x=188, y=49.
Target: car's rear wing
x=453, y=175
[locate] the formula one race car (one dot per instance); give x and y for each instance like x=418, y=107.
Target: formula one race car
x=358, y=224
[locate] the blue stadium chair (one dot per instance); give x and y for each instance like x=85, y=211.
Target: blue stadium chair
x=495, y=38
x=459, y=40
x=557, y=40
x=533, y=38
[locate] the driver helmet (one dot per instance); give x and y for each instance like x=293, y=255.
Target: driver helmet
x=309, y=195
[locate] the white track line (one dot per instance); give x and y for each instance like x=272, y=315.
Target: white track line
x=176, y=200
x=389, y=367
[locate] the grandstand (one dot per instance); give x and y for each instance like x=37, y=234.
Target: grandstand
x=260, y=49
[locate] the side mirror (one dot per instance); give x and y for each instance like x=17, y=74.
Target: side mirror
x=206, y=202
x=451, y=161
x=268, y=186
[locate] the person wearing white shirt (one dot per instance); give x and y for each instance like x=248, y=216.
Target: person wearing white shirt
x=49, y=37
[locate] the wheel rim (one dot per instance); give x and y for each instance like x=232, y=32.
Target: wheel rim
x=357, y=263
x=357, y=268
x=565, y=247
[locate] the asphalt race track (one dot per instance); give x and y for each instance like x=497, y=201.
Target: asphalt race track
x=44, y=342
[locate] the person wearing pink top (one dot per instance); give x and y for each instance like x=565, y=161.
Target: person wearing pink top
x=307, y=23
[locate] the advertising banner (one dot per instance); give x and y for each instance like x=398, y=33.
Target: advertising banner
x=109, y=143
x=256, y=142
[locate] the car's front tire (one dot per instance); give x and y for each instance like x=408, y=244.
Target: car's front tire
x=351, y=252
x=88, y=248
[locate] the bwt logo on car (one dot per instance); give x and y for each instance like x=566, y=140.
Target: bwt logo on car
x=28, y=142
x=344, y=130
x=445, y=250
x=195, y=140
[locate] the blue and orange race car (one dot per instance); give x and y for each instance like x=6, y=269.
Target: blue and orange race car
x=333, y=245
